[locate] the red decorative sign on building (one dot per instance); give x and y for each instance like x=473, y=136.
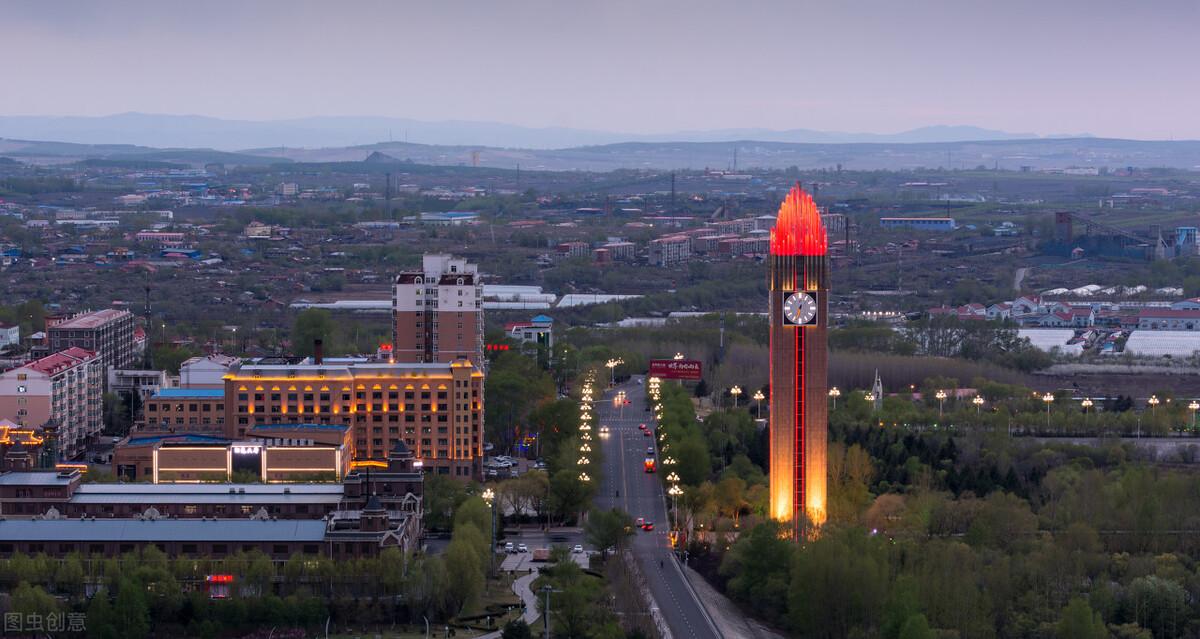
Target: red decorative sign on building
x=676, y=369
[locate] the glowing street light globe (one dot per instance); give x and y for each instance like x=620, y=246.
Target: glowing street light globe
x=488, y=495
x=673, y=477
x=583, y=461
x=670, y=461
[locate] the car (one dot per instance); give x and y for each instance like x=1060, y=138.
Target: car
x=510, y=548
x=641, y=521
x=649, y=451
x=641, y=427
x=648, y=526
x=604, y=430
x=645, y=433
x=577, y=548
x=522, y=548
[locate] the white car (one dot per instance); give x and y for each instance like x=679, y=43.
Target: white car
x=522, y=548
x=577, y=548
x=510, y=548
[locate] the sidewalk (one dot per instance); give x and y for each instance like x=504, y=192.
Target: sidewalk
x=725, y=614
x=522, y=588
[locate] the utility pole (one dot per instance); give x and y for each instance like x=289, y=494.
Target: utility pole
x=672, y=193
x=387, y=195
x=148, y=355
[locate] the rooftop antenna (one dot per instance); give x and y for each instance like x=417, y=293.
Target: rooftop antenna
x=518, y=176
x=735, y=157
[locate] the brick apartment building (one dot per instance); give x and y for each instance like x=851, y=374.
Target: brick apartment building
x=437, y=312
x=107, y=333
x=185, y=410
x=63, y=389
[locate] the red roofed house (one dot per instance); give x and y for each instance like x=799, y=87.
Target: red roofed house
x=1168, y=319
x=63, y=389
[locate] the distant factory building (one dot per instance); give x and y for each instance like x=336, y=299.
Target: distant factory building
x=918, y=223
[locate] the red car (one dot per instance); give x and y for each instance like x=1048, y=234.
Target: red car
x=641, y=427
x=645, y=433
x=648, y=526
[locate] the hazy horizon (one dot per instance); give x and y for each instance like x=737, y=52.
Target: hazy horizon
x=1099, y=67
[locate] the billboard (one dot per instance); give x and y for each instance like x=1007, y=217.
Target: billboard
x=675, y=369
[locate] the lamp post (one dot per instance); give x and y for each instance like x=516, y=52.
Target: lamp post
x=1193, y=407
x=758, y=397
x=835, y=393
x=675, y=491
x=1153, y=401
x=612, y=365
x=1049, y=399
x=489, y=496
x=941, y=397
x=978, y=401
x=735, y=391
x=678, y=356
x=870, y=397
x=1086, y=404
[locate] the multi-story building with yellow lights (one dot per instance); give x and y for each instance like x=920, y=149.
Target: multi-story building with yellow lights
x=436, y=409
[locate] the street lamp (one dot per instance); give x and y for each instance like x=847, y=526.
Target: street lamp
x=678, y=356
x=584, y=477
x=735, y=391
x=758, y=397
x=835, y=393
x=489, y=496
x=1049, y=399
x=612, y=365
x=673, y=477
x=978, y=401
x=585, y=448
x=1153, y=401
x=1192, y=407
x=941, y=397
x=1086, y=404
x=583, y=461
x=675, y=491
x=670, y=461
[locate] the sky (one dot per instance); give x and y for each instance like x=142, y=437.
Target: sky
x=1107, y=68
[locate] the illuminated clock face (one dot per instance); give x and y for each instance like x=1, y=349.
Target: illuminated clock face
x=800, y=309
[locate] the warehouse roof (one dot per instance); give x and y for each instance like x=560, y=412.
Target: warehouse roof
x=162, y=530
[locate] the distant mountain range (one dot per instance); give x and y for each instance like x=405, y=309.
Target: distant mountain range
x=193, y=131
x=404, y=157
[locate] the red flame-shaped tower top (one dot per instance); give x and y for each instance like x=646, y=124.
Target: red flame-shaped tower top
x=799, y=229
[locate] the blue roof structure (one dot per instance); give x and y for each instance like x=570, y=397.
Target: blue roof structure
x=170, y=393
x=151, y=530
x=185, y=438
x=543, y=319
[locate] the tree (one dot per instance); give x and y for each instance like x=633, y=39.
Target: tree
x=917, y=627
x=464, y=571
x=442, y=496
x=608, y=528
x=758, y=568
x=312, y=324
x=516, y=629
x=838, y=582
x=1079, y=622
x=33, y=600
x=568, y=494
x=130, y=613
x=101, y=623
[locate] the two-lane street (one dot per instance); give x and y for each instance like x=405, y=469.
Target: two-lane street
x=627, y=486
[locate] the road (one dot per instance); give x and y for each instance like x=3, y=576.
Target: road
x=641, y=495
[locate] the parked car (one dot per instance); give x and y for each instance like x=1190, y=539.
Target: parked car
x=510, y=548
x=577, y=548
x=522, y=548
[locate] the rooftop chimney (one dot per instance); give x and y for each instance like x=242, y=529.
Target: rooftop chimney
x=318, y=351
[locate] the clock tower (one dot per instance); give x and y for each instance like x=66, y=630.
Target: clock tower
x=799, y=320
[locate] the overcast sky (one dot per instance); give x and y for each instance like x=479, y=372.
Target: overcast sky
x=1121, y=69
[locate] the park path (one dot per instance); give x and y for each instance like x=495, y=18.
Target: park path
x=523, y=589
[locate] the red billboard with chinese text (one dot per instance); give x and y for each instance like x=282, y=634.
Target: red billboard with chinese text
x=675, y=369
